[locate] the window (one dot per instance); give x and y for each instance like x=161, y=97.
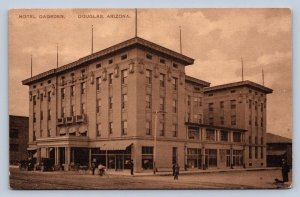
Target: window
x=49, y=114
x=211, y=121
x=83, y=110
x=210, y=135
x=175, y=65
x=232, y=91
x=237, y=157
x=255, y=105
x=233, y=104
x=237, y=137
x=162, y=80
x=72, y=90
x=250, y=119
x=73, y=110
x=49, y=81
x=148, y=128
x=98, y=65
x=148, y=56
x=41, y=115
x=124, y=101
x=211, y=107
x=262, y=107
x=148, y=76
x=34, y=117
x=174, y=155
x=250, y=152
x=161, y=129
x=233, y=119
x=98, y=83
x=34, y=100
x=194, y=158
x=41, y=97
x=82, y=74
x=124, y=57
x=13, y=133
x=83, y=88
x=250, y=104
x=98, y=127
x=261, y=122
x=261, y=152
x=222, y=120
x=174, y=106
x=49, y=96
x=110, y=61
x=224, y=135
x=34, y=86
x=62, y=80
x=210, y=94
x=174, y=83
x=110, y=99
x=161, y=103
x=148, y=101
x=189, y=100
x=222, y=105
x=174, y=130
x=256, y=152
x=124, y=76
x=262, y=140
x=147, y=157
x=256, y=121
x=110, y=78
x=98, y=108
x=162, y=61
x=193, y=133
x=211, y=157
x=63, y=112
x=62, y=91
x=124, y=127
x=110, y=127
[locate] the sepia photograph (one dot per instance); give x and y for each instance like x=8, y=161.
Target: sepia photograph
x=110, y=99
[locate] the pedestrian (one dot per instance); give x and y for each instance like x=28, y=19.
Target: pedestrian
x=173, y=168
x=131, y=165
x=93, y=165
x=285, y=169
x=176, y=171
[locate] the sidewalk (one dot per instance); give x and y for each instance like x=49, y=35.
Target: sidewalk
x=150, y=173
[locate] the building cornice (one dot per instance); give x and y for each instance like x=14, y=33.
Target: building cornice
x=239, y=84
x=131, y=43
x=196, y=81
x=214, y=127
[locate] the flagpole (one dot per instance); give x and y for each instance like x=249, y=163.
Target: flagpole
x=242, y=69
x=135, y=22
x=31, y=65
x=56, y=55
x=92, y=39
x=180, y=39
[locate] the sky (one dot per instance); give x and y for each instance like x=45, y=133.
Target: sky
x=216, y=38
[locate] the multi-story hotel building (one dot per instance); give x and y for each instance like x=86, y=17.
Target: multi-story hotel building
x=133, y=101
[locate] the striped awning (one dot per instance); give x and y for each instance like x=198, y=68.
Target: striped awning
x=112, y=145
x=83, y=129
x=73, y=129
x=63, y=130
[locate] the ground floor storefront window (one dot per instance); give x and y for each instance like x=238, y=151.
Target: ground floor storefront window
x=211, y=158
x=147, y=157
x=225, y=157
x=112, y=159
x=237, y=158
x=194, y=158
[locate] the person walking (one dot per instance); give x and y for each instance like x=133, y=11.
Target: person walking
x=93, y=165
x=285, y=169
x=131, y=165
x=176, y=171
x=173, y=169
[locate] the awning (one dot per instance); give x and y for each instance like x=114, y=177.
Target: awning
x=276, y=152
x=72, y=130
x=83, y=129
x=62, y=130
x=115, y=145
x=31, y=148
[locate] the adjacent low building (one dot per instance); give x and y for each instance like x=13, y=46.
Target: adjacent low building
x=278, y=148
x=18, y=138
x=133, y=101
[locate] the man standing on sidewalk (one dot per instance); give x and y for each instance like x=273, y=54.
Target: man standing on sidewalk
x=131, y=167
x=176, y=171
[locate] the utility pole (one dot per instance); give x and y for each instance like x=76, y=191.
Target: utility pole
x=154, y=148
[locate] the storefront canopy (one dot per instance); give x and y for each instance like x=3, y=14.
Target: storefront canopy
x=276, y=152
x=73, y=129
x=31, y=148
x=115, y=145
x=62, y=130
x=83, y=129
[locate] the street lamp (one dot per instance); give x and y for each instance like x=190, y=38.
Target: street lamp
x=155, y=141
